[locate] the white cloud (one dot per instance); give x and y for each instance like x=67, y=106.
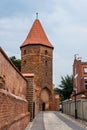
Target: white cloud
x=64, y=21
x=13, y=32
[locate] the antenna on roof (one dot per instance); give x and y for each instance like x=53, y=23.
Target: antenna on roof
x=75, y=56
x=36, y=15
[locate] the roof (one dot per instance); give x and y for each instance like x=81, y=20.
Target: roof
x=84, y=62
x=37, y=36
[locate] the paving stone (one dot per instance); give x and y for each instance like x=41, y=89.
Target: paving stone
x=53, y=121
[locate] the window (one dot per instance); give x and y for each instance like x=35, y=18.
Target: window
x=46, y=62
x=85, y=69
x=46, y=73
x=86, y=84
x=24, y=62
x=46, y=52
x=75, y=70
x=24, y=52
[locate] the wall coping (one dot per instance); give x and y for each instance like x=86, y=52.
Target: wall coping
x=12, y=95
x=28, y=74
x=7, y=58
x=65, y=101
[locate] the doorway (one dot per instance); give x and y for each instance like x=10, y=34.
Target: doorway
x=43, y=106
x=33, y=109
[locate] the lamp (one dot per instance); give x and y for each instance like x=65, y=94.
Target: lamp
x=75, y=103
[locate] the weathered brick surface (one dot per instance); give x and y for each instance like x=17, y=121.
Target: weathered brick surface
x=36, y=61
x=14, y=81
x=37, y=58
x=30, y=94
x=13, y=105
x=13, y=111
x=20, y=124
x=80, y=76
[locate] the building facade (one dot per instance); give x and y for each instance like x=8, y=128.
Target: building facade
x=37, y=59
x=80, y=77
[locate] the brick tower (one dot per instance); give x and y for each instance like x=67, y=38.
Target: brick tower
x=37, y=57
x=37, y=54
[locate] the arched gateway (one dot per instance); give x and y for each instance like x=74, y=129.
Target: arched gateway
x=45, y=97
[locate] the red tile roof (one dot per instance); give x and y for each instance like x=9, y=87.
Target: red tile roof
x=37, y=36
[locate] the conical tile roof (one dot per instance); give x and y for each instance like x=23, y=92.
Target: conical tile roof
x=37, y=35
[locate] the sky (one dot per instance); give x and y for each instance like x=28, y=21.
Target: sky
x=64, y=22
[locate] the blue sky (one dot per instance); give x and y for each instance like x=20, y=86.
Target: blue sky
x=64, y=21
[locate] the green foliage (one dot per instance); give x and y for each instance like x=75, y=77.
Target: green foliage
x=65, y=88
x=16, y=62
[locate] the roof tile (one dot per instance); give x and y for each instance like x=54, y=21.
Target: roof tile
x=37, y=35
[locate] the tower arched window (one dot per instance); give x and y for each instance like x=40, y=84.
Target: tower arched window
x=24, y=62
x=24, y=52
x=46, y=62
x=46, y=73
x=46, y=52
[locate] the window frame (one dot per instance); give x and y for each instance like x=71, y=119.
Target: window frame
x=85, y=70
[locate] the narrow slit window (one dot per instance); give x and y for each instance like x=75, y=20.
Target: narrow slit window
x=24, y=52
x=46, y=52
x=24, y=62
x=86, y=84
x=46, y=63
x=85, y=70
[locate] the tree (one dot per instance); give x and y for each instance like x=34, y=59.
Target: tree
x=16, y=62
x=65, y=88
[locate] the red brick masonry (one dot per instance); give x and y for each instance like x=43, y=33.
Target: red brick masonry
x=13, y=112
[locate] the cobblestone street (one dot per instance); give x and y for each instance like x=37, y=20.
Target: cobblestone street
x=54, y=121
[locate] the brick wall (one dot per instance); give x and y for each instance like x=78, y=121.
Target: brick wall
x=13, y=105
x=38, y=60
x=14, y=81
x=30, y=93
x=13, y=112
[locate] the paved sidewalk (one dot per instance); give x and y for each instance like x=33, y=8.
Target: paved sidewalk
x=37, y=124
x=52, y=121
x=81, y=123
